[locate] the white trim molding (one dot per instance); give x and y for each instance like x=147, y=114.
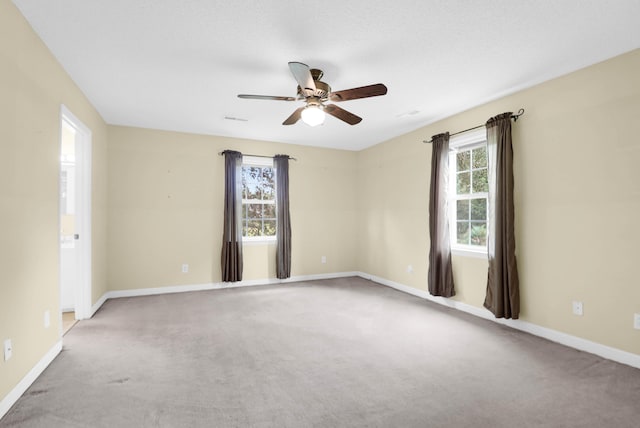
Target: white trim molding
x=84, y=246
x=96, y=306
x=604, y=351
x=115, y=294
x=571, y=341
x=12, y=397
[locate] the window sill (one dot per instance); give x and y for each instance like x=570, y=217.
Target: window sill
x=259, y=241
x=467, y=252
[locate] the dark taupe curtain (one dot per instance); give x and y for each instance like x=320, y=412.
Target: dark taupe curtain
x=503, y=293
x=232, y=234
x=440, y=271
x=283, y=229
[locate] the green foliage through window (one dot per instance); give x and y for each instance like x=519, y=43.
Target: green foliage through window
x=258, y=201
x=471, y=187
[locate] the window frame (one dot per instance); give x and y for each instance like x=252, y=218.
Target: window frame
x=255, y=161
x=466, y=141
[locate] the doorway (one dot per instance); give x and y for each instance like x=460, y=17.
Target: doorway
x=75, y=218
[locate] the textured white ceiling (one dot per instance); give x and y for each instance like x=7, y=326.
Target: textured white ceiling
x=179, y=64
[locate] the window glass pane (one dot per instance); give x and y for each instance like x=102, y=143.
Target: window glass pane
x=479, y=157
x=479, y=209
x=462, y=160
x=258, y=187
x=462, y=210
x=468, y=191
x=269, y=210
x=269, y=228
x=250, y=183
x=268, y=184
x=244, y=183
x=480, y=183
x=479, y=233
x=462, y=232
x=462, y=183
x=254, y=211
x=254, y=228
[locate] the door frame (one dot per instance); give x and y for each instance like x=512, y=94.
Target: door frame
x=83, y=287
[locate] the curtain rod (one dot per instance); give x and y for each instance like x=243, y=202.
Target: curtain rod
x=258, y=156
x=513, y=116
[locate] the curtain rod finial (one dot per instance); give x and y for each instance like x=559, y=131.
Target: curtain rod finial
x=517, y=115
x=513, y=116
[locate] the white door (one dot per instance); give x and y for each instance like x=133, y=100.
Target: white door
x=75, y=216
x=68, y=253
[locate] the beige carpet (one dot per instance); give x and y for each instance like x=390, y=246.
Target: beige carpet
x=335, y=353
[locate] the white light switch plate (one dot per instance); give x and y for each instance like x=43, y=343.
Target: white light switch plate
x=636, y=321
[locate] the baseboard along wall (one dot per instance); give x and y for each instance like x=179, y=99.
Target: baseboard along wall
x=575, y=342
x=571, y=341
x=30, y=377
x=211, y=286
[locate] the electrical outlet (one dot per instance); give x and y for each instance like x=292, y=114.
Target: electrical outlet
x=636, y=321
x=577, y=308
x=410, y=269
x=323, y=259
x=47, y=318
x=8, y=349
x=185, y=268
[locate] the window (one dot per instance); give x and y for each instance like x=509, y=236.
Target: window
x=468, y=192
x=258, y=199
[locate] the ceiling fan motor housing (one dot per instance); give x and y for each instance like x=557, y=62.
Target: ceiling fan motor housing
x=315, y=92
x=322, y=89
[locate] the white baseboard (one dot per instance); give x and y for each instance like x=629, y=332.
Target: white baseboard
x=575, y=342
x=98, y=304
x=571, y=341
x=33, y=374
x=211, y=286
x=13, y=396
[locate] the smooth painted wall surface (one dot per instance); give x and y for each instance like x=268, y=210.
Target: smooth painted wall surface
x=577, y=199
x=32, y=88
x=159, y=195
x=166, y=193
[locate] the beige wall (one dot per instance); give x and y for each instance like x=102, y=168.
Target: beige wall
x=32, y=88
x=166, y=191
x=576, y=152
x=577, y=180
x=393, y=229
x=577, y=175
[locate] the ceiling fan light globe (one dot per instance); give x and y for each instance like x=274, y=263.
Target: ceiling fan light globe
x=313, y=115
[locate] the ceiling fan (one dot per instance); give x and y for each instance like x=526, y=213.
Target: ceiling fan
x=315, y=93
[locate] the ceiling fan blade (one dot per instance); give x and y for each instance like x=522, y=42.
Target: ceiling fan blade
x=266, y=97
x=303, y=76
x=342, y=114
x=295, y=116
x=361, y=92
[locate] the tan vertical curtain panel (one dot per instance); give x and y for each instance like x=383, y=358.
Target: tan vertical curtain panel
x=440, y=275
x=283, y=234
x=232, y=233
x=503, y=285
